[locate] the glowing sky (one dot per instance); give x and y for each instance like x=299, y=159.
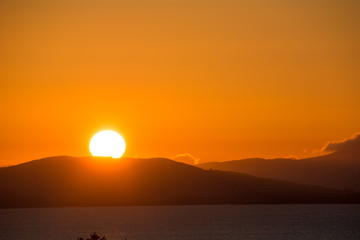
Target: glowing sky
x=219, y=80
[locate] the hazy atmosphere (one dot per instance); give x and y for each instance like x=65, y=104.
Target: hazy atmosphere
x=179, y=119
x=219, y=80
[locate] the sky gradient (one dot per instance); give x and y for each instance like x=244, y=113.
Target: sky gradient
x=219, y=80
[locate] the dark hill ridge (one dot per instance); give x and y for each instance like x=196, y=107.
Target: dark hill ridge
x=335, y=170
x=87, y=181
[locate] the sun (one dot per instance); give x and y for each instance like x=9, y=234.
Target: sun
x=107, y=143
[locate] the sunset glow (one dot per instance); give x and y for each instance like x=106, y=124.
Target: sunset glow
x=179, y=119
x=219, y=80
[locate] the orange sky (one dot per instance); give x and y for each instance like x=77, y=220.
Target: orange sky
x=220, y=80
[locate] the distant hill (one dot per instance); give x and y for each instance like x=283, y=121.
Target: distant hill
x=335, y=170
x=70, y=181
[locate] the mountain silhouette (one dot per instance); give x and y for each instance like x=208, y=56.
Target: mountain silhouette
x=88, y=181
x=336, y=170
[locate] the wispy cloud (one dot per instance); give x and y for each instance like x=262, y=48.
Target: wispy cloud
x=292, y=157
x=349, y=145
x=186, y=158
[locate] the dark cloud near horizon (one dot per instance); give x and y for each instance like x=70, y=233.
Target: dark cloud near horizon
x=350, y=145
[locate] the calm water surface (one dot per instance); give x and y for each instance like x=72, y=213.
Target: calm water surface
x=223, y=222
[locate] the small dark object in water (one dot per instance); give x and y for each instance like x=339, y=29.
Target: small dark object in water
x=94, y=236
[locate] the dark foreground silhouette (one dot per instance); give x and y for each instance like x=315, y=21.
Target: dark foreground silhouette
x=94, y=236
x=71, y=181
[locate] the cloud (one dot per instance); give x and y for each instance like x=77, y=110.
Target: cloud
x=292, y=157
x=186, y=158
x=350, y=145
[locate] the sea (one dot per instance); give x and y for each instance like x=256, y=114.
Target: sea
x=191, y=222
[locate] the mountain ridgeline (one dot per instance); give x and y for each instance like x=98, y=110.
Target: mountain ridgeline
x=336, y=170
x=88, y=181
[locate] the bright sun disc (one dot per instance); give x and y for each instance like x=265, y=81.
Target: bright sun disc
x=107, y=144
